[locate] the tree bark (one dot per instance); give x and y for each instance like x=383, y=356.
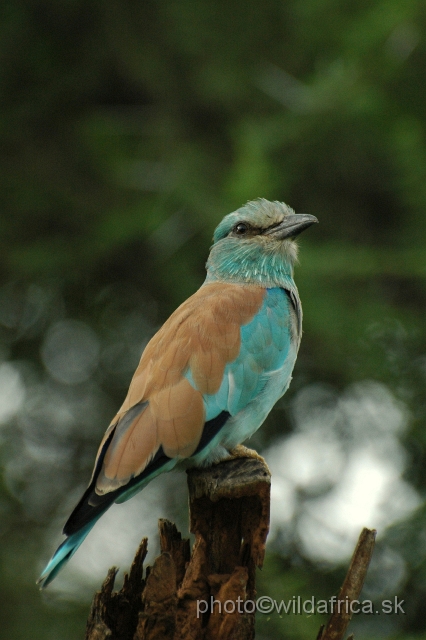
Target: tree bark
x=199, y=596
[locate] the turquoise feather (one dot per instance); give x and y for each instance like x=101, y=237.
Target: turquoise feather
x=64, y=552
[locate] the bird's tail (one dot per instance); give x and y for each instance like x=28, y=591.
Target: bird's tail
x=93, y=505
x=62, y=554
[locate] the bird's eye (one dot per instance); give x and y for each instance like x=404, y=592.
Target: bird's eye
x=240, y=228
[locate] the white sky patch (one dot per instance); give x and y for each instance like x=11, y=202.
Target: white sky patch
x=307, y=460
x=283, y=501
x=12, y=391
x=341, y=470
x=369, y=494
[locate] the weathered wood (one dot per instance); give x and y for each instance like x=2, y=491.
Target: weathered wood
x=113, y=614
x=350, y=591
x=171, y=542
x=229, y=515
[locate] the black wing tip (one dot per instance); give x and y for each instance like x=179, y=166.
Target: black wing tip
x=92, y=505
x=211, y=429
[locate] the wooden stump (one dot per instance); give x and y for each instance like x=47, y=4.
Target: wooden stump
x=199, y=596
x=203, y=596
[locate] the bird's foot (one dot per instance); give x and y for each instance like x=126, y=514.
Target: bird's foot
x=240, y=451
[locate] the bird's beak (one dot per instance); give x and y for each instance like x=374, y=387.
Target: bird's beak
x=291, y=226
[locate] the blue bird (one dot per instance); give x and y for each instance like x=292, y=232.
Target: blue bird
x=209, y=377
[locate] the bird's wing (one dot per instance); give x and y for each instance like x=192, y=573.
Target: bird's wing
x=183, y=363
x=207, y=362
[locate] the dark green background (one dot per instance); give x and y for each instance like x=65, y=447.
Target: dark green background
x=127, y=130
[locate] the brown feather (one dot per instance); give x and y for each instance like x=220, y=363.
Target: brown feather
x=203, y=334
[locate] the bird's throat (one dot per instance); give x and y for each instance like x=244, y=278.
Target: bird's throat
x=248, y=264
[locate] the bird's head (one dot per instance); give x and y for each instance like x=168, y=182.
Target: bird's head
x=256, y=243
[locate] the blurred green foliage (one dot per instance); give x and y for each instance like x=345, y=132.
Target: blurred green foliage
x=127, y=130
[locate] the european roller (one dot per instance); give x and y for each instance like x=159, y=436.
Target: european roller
x=209, y=377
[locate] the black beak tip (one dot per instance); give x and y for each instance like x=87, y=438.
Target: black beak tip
x=309, y=219
x=298, y=223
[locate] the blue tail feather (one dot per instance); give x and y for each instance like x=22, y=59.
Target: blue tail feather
x=62, y=554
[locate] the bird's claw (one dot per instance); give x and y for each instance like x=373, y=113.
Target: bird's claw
x=240, y=451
